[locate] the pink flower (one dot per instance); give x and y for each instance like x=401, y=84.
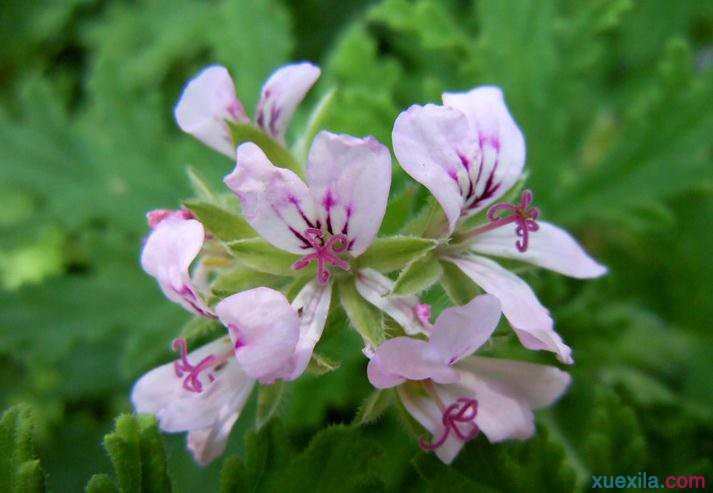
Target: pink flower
x=455, y=395
x=469, y=153
x=209, y=104
x=205, y=391
x=169, y=251
x=332, y=218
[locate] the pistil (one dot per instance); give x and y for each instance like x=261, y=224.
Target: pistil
x=325, y=253
x=521, y=214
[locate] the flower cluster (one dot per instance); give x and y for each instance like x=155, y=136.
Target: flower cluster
x=325, y=217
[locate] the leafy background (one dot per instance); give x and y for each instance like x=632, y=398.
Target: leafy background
x=614, y=97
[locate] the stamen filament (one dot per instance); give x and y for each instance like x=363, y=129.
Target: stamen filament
x=182, y=366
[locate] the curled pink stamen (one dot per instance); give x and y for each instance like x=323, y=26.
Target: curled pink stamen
x=325, y=253
x=182, y=366
x=521, y=214
x=464, y=411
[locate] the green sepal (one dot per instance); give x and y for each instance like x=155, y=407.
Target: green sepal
x=202, y=190
x=364, y=317
x=418, y=275
x=258, y=254
x=275, y=152
x=242, y=278
x=321, y=365
x=393, y=252
x=224, y=224
x=200, y=330
x=459, y=287
x=314, y=124
x=374, y=406
x=269, y=398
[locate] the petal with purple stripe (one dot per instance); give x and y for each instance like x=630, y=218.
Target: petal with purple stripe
x=349, y=179
x=167, y=256
x=207, y=104
x=435, y=145
x=275, y=202
x=281, y=94
x=499, y=158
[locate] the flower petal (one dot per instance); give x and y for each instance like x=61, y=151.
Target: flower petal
x=207, y=103
x=460, y=330
x=349, y=179
x=208, y=444
x=550, y=247
x=281, y=94
x=376, y=288
x=507, y=392
x=501, y=415
x=161, y=392
x=312, y=304
x=275, y=202
x=501, y=155
x=538, y=385
x=424, y=408
x=167, y=255
x=429, y=142
x=405, y=358
x=264, y=329
x=529, y=319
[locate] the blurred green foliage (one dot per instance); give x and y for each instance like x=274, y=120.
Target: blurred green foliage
x=614, y=97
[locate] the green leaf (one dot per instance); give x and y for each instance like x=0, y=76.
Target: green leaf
x=459, y=287
x=136, y=450
x=19, y=468
x=101, y=483
x=233, y=476
x=392, y=253
x=338, y=458
x=364, y=317
x=418, y=275
x=225, y=225
x=124, y=451
x=374, y=407
x=314, y=124
x=428, y=19
x=269, y=399
x=614, y=440
x=436, y=474
x=278, y=155
x=30, y=478
x=154, y=467
x=260, y=255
